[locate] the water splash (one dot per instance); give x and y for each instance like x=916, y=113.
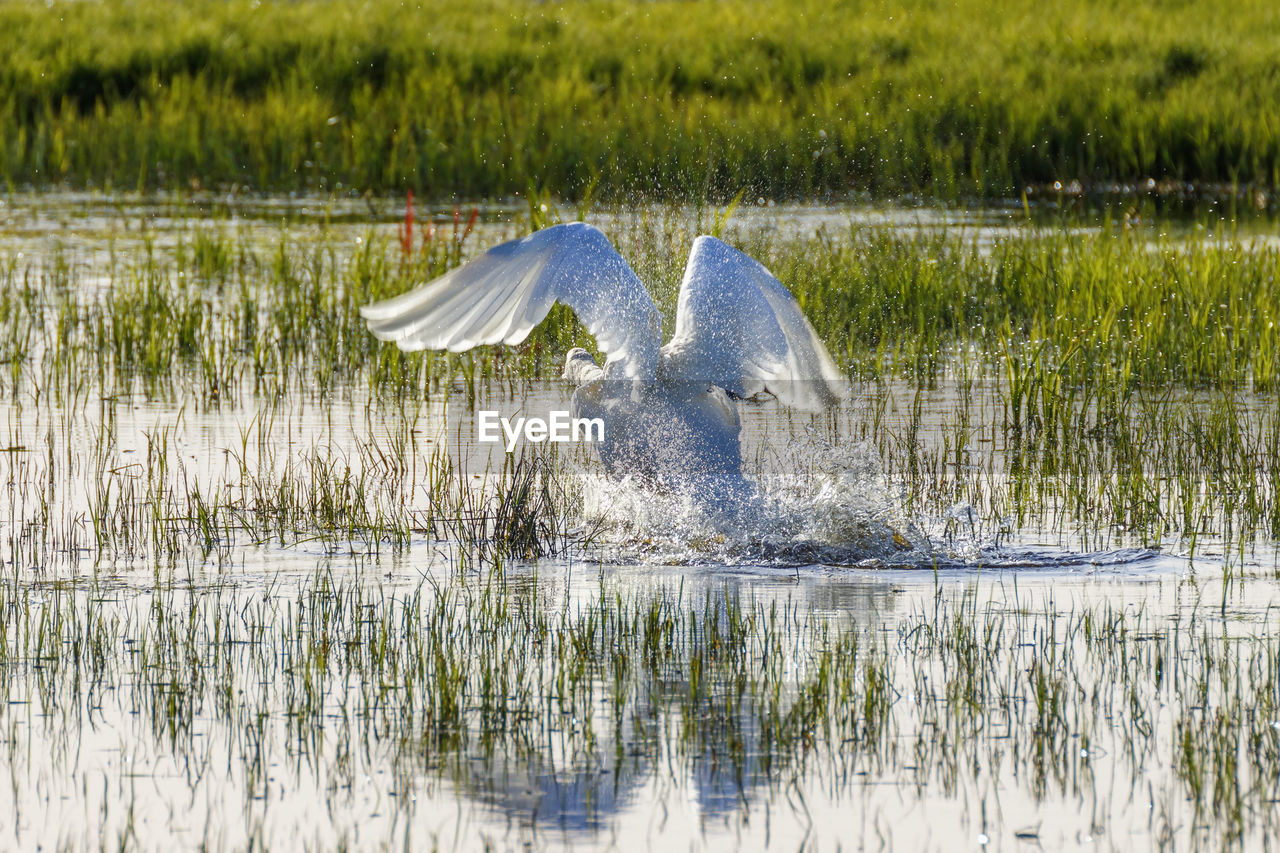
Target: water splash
x=820, y=505
x=838, y=509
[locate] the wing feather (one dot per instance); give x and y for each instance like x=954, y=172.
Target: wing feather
x=738, y=327
x=500, y=296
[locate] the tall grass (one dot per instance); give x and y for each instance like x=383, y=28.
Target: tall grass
x=1110, y=307
x=657, y=99
x=1112, y=383
x=226, y=314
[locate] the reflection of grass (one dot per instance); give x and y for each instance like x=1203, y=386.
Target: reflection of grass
x=345, y=689
x=665, y=99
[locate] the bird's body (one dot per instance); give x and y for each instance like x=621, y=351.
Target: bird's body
x=666, y=434
x=668, y=413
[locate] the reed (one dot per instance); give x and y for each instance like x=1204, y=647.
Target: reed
x=1112, y=382
x=208, y=399
x=225, y=314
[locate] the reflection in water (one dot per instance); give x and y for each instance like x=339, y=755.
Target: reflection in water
x=231, y=623
x=710, y=745
x=722, y=679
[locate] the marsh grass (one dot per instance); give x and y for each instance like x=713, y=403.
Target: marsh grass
x=1112, y=386
x=482, y=683
x=1094, y=313
x=656, y=100
x=379, y=492
x=1109, y=380
x=1161, y=470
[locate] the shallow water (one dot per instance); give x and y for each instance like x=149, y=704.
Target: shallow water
x=167, y=680
x=91, y=227
x=834, y=544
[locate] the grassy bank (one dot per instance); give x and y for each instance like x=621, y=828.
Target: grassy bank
x=661, y=99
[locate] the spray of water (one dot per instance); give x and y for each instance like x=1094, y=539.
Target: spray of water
x=832, y=507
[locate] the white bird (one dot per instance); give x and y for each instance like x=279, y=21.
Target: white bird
x=668, y=411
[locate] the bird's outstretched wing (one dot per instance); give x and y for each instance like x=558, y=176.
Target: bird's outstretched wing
x=739, y=328
x=501, y=295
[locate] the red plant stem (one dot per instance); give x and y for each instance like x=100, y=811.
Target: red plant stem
x=406, y=230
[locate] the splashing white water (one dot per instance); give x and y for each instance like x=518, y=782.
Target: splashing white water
x=833, y=507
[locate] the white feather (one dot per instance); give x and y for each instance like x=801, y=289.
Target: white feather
x=500, y=296
x=738, y=327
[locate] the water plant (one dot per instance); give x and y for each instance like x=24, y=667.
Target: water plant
x=343, y=688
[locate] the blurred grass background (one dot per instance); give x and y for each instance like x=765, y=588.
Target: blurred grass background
x=664, y=100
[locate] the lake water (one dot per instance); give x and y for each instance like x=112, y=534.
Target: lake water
x=172, y=679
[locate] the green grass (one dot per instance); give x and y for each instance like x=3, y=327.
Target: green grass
x=1113, y=383
x=1111, y=306
x=343, y=687
x=228, y=314
x=661, y=100
x=1109, y=387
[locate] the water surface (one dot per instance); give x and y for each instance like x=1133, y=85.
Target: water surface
x=260, y=677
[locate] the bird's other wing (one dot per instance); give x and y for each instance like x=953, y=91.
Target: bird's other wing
x=738, y=327
x=501, y=295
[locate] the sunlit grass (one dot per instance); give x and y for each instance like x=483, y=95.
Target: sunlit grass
x=1113, y=384
x=1099, y=313
x=665, y=100
x=1107, y=387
